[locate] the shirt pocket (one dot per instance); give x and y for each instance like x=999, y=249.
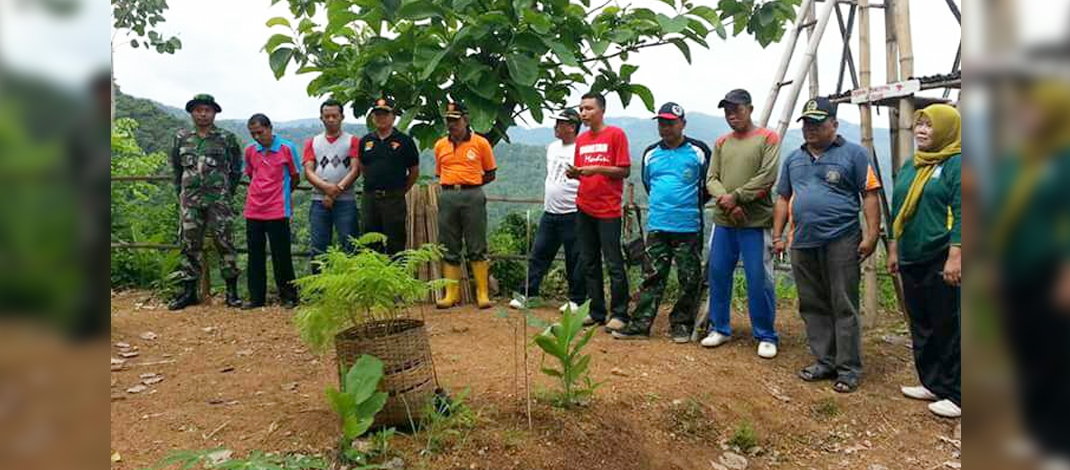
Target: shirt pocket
x=213, y=157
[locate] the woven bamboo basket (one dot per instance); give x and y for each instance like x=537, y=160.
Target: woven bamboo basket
x=408, y=377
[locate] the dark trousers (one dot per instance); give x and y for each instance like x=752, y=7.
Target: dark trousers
x=278, y=233
x=462, y=224
x=1038, y=332
x=600, y=238
x=933, y=307
x=556, y=230
x=663, y=248
x=386, y=213
x=827, y=280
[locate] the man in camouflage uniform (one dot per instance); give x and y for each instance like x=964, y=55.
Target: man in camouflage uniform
x=207, y=165
x=674, y=174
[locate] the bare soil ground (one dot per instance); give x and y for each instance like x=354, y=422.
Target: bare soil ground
x=243, y=380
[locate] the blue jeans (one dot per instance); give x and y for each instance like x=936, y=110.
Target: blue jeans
x=341, y=217
x=556, y=230
x=755, y=246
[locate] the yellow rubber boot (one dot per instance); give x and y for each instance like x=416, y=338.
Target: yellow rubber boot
x=453, y=290
x=481, y=271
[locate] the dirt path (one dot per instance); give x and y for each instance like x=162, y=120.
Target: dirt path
x=243, y=380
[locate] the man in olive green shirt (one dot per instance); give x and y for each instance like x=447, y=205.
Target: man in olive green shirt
x=740, y=179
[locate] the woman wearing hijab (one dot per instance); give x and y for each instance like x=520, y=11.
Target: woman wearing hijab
x=927, y=253
x=1030, y=239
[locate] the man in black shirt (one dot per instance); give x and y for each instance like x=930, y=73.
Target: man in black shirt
x=390, y=164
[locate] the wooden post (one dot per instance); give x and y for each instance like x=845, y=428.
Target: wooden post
x=892, y=75
x=804, y=67
x=906, y=71
x=870, y=302
x=810, y=18
x=785, y=59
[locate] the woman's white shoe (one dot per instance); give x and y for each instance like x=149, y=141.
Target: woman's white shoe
x=919, y=393
x=946, y=409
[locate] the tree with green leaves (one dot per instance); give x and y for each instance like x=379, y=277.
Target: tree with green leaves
x=138, y=20
x=501, y=57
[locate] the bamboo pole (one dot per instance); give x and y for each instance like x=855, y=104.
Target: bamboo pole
x=906, y=71
x=785, y=59
x=810, y=18
x=870, y=302
x=892, y=75
x=804, y=67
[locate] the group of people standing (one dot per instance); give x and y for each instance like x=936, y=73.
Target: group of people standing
x=817, y=191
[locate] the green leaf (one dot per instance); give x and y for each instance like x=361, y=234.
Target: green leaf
x=460, y=5
x=277, y=40
x=598, y=48
x=671, y=25
x=523, y=68
x=548, y=343
x=539, y=21
x=684, y=48
x=562, y=52
x=354, y=426
x=379, y=72
x=483, y=113
x=305, y=26
x=363, y=377
x=486, y=86
x=536, y=322
x=279, y=59
x=432, y=65
x=371, y=406
x=551, y=372
x=626, y=71
x=278, y=20
x=416, y=10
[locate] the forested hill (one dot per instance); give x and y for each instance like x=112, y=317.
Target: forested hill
x=521, y=163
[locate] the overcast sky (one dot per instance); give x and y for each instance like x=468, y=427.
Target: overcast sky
x=222, y=55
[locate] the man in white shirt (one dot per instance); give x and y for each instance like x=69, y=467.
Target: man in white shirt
x=558, y=224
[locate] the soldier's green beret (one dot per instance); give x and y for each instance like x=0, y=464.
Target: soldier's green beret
x=203, y=98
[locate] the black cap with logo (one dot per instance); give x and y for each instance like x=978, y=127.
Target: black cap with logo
x=671, y=111
x=735, y=97
x=384, y=104
x=818, y=110
x=456, y=110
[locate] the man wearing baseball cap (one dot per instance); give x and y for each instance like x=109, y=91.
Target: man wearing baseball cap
x=390, y=164
x=674, y=175
x=741, y=180
x=558, y=223
x=464, y=162
x=207, y=163
x=830, y=180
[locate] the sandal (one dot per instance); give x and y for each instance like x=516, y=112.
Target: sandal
x=845, y=384
x=815, y=373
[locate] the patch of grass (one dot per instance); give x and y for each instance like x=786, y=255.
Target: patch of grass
x=446, y=423
x=513, y=438
x=744, y=437
x=826, y=408
x=688, y=418
x=651, y=397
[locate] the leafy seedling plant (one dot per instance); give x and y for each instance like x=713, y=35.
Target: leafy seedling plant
x=353, y=289
x=564, y=341
x=356, y=404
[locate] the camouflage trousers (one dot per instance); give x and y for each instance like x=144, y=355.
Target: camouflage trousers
x=663, y=248
x=217, y=220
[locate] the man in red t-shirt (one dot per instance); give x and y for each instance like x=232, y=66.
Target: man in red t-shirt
x=601, y=164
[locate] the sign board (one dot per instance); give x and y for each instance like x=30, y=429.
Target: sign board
x=891, y=90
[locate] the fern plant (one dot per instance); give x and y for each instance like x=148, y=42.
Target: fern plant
x=563, y=340
x=353, y=289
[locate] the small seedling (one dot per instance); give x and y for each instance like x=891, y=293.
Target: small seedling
x=744, y=436
x=357, y=404
x=446, y=419
x=688, y=418
x=563, y=341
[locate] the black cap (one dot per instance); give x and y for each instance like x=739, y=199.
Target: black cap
x=818, y=110
x=737, y=97
x=568, y=114
x=670, y=110
x=384, y=104
x=203, y=98
x=456, y=110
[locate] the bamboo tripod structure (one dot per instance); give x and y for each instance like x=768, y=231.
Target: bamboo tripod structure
x=899, y=67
